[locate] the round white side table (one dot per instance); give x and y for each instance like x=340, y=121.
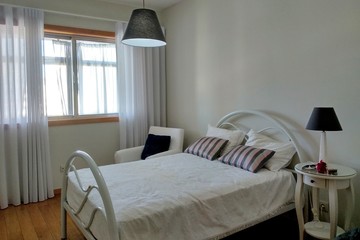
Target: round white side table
x=306, y=174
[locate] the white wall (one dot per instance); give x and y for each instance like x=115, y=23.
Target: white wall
x=70, y=12
x=277, y=55
x=99, y=140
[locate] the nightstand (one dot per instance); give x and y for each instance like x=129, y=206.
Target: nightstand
x=332, y=183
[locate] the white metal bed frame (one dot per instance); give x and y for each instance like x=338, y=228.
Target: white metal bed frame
x=101, y=186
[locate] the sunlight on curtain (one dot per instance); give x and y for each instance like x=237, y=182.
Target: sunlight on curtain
x=97, y=77
x=25, y=174
x=142, y=90
x=58, y=75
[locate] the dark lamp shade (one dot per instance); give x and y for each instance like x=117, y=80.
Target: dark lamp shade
x=144, y=30
x=323, y=119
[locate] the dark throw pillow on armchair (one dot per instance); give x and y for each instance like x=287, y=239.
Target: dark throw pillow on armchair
x=155, y=144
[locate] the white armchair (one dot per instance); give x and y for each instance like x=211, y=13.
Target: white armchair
x=133, y=154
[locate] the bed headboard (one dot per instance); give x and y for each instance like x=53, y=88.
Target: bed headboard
x=269, y=126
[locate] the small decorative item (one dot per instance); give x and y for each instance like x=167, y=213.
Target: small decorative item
x=332, y=171
x=321, y=167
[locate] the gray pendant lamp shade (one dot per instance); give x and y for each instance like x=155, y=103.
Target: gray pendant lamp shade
x=144, y=30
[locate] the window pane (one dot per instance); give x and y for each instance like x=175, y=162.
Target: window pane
x=58, y=77
x=97, y=77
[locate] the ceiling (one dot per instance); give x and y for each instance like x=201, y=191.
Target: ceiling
x=152, y=4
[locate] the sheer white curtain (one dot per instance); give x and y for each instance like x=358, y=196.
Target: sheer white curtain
x=24, y=147
x=142, y=90
x=58, y=72
x=97, y=67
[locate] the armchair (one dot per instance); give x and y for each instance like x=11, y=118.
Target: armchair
x=133, y=154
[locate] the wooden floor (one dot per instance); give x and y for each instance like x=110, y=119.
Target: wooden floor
x=42, y=221
x=35, y=221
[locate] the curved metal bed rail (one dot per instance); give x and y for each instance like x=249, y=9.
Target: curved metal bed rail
x=101, y=188
x=224, y=121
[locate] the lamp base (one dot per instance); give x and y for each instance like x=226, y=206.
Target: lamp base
x=322, y=153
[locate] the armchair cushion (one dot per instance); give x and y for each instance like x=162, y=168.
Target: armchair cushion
x=155, y=144
x=169, y=152
x=128, y=154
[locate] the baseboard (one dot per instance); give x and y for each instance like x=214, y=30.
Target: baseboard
x=57, y=191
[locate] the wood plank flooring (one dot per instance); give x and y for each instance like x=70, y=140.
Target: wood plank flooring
x=41, y=220
x=35, y=221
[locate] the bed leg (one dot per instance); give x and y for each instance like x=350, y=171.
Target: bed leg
x=63, y=223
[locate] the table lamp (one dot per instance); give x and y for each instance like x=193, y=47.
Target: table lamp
x=323, y=119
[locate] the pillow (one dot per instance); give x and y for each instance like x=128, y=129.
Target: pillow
x=207, y=147
x=235, y=137
x=155, y=144
x=284, y=150
x=247, y=158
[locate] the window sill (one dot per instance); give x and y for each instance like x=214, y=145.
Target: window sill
x=54, y=121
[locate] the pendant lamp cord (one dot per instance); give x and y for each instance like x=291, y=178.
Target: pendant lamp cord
x=143, y=3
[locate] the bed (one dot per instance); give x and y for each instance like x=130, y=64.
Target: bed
x=185, y=195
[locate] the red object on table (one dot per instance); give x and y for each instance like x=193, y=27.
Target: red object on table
x=321, y=167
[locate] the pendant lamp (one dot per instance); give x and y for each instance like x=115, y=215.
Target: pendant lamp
x=143, y=29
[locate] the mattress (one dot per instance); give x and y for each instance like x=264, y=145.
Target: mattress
x=182, y=196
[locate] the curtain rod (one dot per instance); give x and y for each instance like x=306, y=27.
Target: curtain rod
x=64, y=13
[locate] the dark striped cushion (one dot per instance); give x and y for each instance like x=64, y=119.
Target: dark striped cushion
x=207, y=147
x=247, y=158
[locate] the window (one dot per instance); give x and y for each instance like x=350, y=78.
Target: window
x=80, y=75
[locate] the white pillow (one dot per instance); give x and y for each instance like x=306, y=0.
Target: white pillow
x=284, y=151
x=235, y=137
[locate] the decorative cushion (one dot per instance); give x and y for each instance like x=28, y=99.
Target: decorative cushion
x=247, y=158
x=235, y=137
x=284, y=150
x=207, y=147
x=155, y=144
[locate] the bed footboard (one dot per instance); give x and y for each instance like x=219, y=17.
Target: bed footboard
x=101, y=187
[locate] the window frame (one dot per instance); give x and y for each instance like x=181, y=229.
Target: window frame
x=83, y=34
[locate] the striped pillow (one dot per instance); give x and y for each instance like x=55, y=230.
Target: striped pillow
x=247, y=158
x=207, y=147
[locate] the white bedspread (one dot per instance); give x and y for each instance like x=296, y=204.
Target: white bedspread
x=184, y=197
